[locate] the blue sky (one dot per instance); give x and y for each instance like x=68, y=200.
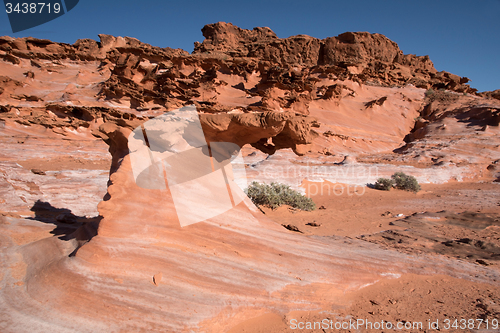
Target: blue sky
x=461, y=37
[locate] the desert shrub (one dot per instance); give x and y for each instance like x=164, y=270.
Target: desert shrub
x=276, y=195
x=405, y=182
x=429, y=92
x=384, y=184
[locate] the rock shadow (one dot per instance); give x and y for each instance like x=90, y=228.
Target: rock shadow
x=68, y=225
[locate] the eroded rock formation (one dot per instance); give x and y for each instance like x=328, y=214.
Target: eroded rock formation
x=354, y=94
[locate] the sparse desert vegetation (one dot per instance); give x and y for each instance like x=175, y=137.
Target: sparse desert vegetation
x=398, y=180
x=384, y=184
x=276, y=195
x=405, y=182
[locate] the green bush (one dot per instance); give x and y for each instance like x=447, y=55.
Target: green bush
x=276, y=195
x=405, y=182
x=384, y=184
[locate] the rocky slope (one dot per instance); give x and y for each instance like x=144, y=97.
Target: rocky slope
x=344, y=103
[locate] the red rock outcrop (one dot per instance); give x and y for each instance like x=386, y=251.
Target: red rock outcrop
x=491, y=94
x=354, y=55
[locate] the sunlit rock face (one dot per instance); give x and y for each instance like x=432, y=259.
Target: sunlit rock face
x=145, y=271
x=99, y=235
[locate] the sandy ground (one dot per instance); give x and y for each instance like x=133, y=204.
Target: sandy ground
x=422, y=303
x=353, y=211
x=455, y=220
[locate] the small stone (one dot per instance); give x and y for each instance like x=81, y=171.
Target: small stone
x=38, y=172
x=482, y=262
x=291, y=227
x=157, y=278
